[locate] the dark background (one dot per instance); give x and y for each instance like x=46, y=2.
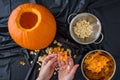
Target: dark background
x=108, y=11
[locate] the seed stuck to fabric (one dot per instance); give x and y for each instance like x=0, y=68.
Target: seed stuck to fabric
x=22, y=63
x=75, y=56
x=31, y=62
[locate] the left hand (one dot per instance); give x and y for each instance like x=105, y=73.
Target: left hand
x=48, y=66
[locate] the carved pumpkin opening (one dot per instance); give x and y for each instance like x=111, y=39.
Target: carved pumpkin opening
x=28, y=20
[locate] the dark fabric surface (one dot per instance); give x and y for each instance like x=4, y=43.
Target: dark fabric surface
x=106, y=10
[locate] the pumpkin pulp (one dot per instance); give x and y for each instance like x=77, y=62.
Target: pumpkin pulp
x=28, y=20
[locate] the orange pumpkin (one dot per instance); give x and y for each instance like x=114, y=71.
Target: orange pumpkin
x=32, y=26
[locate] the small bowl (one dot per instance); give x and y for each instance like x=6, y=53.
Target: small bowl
x=96, y=28
x=106, y=73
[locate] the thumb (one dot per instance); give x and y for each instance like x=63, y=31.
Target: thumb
x=50, y=62
x=72, y=72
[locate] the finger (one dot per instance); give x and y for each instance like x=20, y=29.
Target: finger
x=59, y=61
x=51, y=62
x=63, y=63
x=58, y=55
x=70, y=62
x=72, y=72
x=59, y=64
x=49, y=57
x=67, y=62
x=55, y=64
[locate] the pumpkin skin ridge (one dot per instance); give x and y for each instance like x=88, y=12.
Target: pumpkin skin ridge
x=42, y=43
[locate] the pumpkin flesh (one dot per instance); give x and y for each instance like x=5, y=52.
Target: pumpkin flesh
x=28, y=16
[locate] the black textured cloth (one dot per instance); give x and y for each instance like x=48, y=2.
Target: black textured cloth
x=108, y=11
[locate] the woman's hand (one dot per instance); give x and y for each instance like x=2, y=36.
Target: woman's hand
x=67, y=69
x=48, y=66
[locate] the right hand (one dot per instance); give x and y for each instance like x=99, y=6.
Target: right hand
x=67, y=69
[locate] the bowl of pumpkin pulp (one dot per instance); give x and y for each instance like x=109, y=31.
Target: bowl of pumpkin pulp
x=98, y=65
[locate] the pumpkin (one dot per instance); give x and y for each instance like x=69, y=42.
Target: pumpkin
x=32, y=26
